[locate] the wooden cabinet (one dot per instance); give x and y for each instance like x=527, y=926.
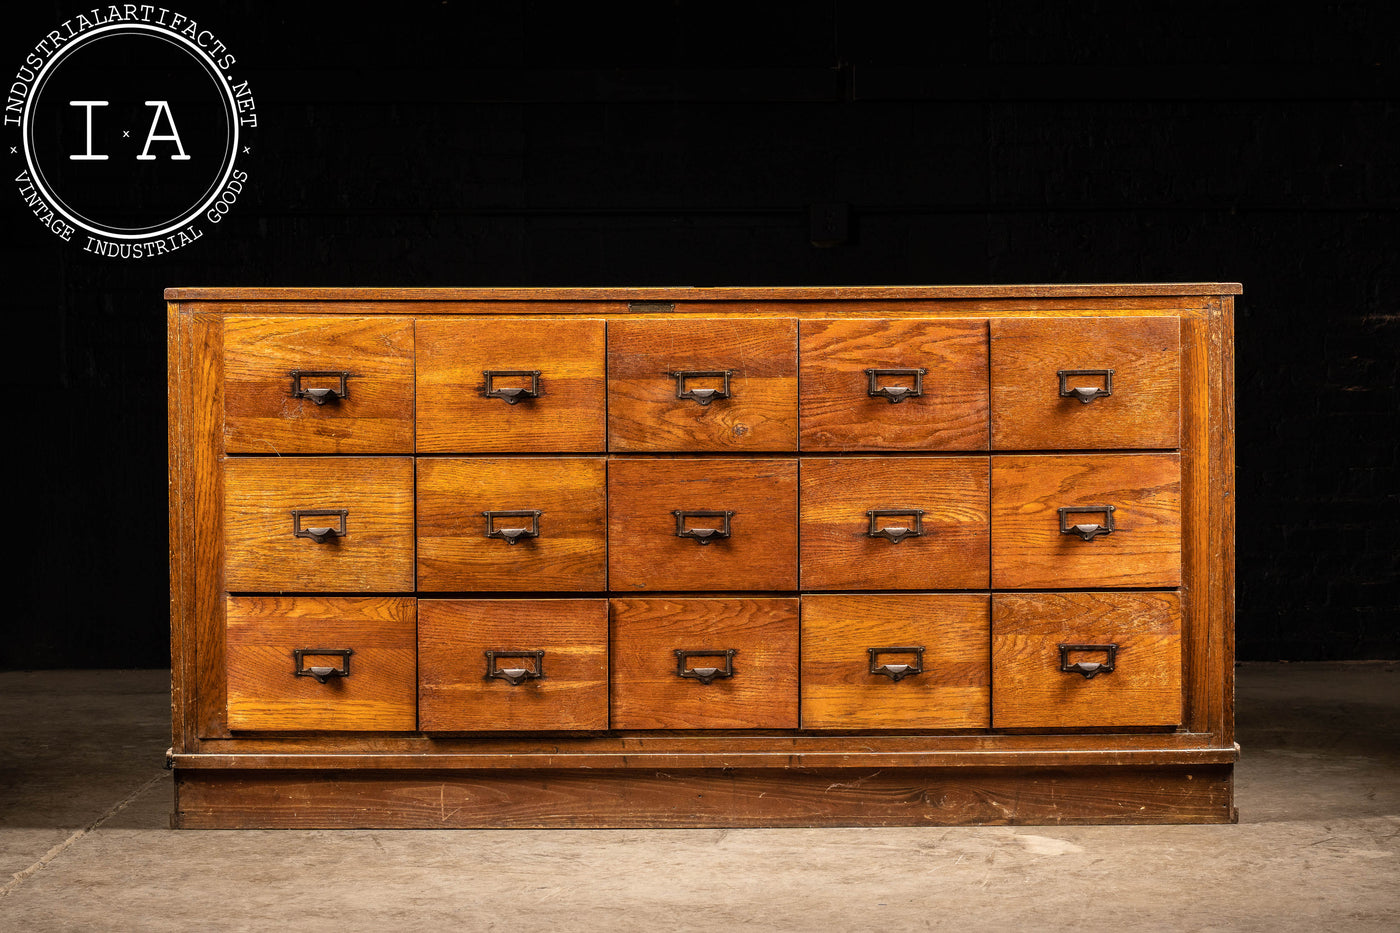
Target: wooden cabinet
x=701, y=557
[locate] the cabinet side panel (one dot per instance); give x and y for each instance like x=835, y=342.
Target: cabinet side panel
x=205, y=442
x=181, y=560
x=1221, y=672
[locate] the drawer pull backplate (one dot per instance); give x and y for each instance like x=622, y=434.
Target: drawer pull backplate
x=513, y=535
x=321, y=674
x=511, y=394
x=1086, y=394
x=1089, y=669
x=701, y=396
x=702, y=535
x=895, y=533
x=891, y=392
x=320, y=394
x=515, y=676
x=705, y=674
x=319, y=533
x=1086, y=532
x=897, y=672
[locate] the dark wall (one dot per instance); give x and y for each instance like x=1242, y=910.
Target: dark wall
x=446, y=143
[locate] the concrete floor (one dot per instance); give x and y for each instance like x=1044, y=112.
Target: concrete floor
x=84, y=846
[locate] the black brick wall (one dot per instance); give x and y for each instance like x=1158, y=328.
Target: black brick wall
x=447, y=143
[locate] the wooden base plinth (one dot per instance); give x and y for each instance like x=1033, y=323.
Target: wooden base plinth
x=593, y=799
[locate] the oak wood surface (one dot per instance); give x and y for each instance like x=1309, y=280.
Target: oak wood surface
x=453, y=414
x=644, y=413
x=1028, y=412
x=264, y=691
x=838, y=413
x=648, y=693
x=644, y=552
x=952, y=692
x=837, y=551
x=712, y=798
x=454, y=694
x=204, y=334
x=376, y=554
x=1206, y=599
x=261, y=415
x=1029, y=689
x=1028, y=548
x=454, y=552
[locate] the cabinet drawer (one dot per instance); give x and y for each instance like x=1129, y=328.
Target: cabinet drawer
x=546, y=391
x=1068, y=660
x=1037, y=364
x=547, y=530
x=895, y=662
x=1094, y=520
x=324, y=524
x=894, y=385
x=657, y=641
x=874, y=523
x=311, y=385
x=317, y=662
x=652, y=363
x=510, y=664
x=668, y=519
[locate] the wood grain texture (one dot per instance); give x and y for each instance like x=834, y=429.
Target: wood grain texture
x=647, y=693
x=376, y=554
x=715, y=748
x=1144, y=410
x=1030, y=691
x=265, y=693
x=644, y=413
x=837, y=551
x=204, y=335
x=454, y=552
x=644, y=552
x=262, y=417
x=454, y=416
x=838, y=413
x=603, y=799
x=454, y=694
x=838, y=690
x=180, y=507
x=1028, y=549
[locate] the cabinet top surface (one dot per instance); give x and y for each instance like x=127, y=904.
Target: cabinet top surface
x=690, y=293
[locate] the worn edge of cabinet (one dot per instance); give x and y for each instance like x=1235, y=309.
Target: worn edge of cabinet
x=711, y=798
x=692, y=293
x=178, y=504
x=989, y=758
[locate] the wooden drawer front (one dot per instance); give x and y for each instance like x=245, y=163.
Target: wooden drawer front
x=946, y=685
x=839, y=413
x=369, y=638
x=1028, y=355
x=456, y=693
x=1030, y=690
x=644, y=412
x=645, y=551
x=264, y=553
x=569, y=549
x=952, y=548
x=1029, y=549
x=648, y=691
x=454, y=414
x=375, y=356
